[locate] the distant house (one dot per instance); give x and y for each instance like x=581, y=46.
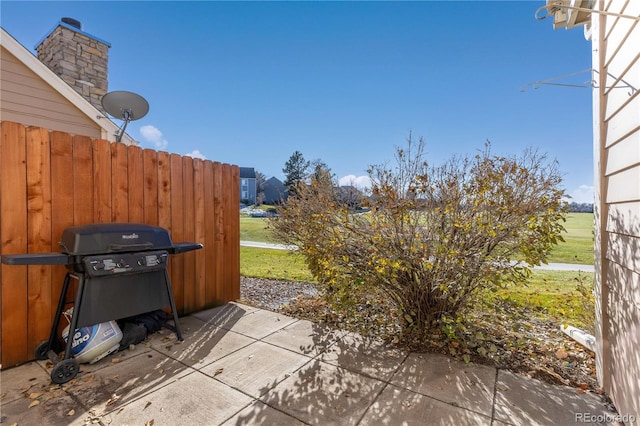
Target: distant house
x=52, y=91
x=274, y=191
x=350, y=195
x=247, y=185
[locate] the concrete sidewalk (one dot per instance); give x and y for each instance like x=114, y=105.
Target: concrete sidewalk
x=241, y=365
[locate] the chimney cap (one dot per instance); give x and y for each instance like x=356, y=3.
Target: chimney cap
x=73, y=22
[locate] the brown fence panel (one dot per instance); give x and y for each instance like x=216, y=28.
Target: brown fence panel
x=199, y=222
x=164, y=190
x=52, y=180
x=136, y=184
x=13, y=232
x=62, y=200
x=189, y=279
x=177, y=230
x=231, y=249
x=82, y=180
x=232, y=224
x=39, y=234
x=120, y=183
x=102, y=181
x=218, y=189
x=150, y=187
x=209, y=234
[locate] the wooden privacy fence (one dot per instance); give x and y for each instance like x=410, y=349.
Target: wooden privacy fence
x=52, y=180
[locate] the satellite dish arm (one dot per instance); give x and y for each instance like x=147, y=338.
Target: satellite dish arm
x=126, y=116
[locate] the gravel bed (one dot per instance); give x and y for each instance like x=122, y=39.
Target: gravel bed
x=272, y=294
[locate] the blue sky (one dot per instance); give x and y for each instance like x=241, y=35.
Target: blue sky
x=249, y=83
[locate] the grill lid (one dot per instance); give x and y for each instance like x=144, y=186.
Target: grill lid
x=102, y=238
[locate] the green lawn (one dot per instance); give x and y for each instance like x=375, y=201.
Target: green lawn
x=255, y=229
x=274, y=264
x=578, y=245
x=555, y=294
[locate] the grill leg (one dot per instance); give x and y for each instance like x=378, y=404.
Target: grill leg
x=74, y=317
x=56, y=321
x=173, y=305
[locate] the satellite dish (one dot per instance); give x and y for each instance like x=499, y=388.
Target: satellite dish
x=125, y=105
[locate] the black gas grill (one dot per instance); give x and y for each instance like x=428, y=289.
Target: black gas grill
x=121, y=269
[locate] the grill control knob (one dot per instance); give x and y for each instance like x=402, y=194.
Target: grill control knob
x=141, y=261
x=98, y=266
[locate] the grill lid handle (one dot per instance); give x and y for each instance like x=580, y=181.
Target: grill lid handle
x=130, y=247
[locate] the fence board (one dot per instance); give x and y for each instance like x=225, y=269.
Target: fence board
x=13, y=229
x=150, y=170
x=177, y=230
x=209, y=235
x=120, y=183
x=102, y=181
x=199, y=235
x=218, y=217
x=52, y=180
x=136, y=184
x=232, y=222
x=82, y=180
x=189, y=278
x=62, y=191
x=226, y=216
x=38, y=235
x=164, y=191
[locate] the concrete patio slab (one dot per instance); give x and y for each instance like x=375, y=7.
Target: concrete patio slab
x=261, y=414
x=206, y=345
x=304, y=337
x=453, y=382
x=255, y=369
x=259, y=324
x=365, y=355
x=54, y=408
x=27, y=378
x=109, y=388
x=323, y=394
x=415, y=409
x=224, y=314
x=523, y=400
x=194, y=399
x=297, y=374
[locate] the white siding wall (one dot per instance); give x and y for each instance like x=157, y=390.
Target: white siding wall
x=616, y=57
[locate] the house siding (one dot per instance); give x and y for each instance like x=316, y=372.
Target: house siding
x=616, y=58
x=27, y=99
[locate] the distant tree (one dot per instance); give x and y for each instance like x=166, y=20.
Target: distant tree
x=319, y=168
x=580, y=207
x=296, y=171
x=260, y=181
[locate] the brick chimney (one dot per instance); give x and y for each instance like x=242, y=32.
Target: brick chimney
x=78, y=58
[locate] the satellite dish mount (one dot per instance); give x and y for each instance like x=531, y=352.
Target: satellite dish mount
x=127, y=106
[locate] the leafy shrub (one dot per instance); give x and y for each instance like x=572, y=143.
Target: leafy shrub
x=435, y=237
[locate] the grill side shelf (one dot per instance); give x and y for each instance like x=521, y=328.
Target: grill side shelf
x=37, y=259
x=178, y=248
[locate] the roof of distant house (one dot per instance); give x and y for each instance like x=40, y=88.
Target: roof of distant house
x=247, y=173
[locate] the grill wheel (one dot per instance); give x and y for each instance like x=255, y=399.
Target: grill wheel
x=64, y=371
